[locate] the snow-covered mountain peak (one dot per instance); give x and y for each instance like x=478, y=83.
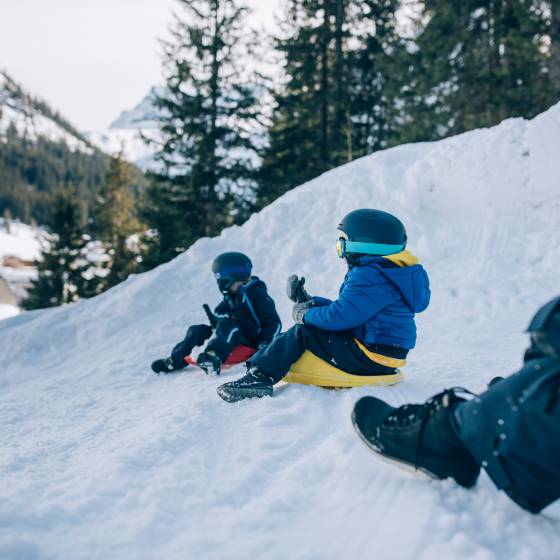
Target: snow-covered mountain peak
x=129, y=130
x=141, y=116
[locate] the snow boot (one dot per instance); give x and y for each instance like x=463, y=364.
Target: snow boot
x=417, y=436
x=209, y=362
x=163, y=366
x=253, y=384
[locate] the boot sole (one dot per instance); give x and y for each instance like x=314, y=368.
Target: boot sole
x=238, y=394
x=401, y=464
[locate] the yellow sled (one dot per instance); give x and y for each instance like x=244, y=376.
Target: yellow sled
x=311, y=370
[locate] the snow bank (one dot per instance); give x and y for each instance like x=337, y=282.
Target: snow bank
x=103, y=459
x=22, y=242
x=7, y=310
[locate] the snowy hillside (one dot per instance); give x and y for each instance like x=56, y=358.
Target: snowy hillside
x=103, y=459
x=32, y=118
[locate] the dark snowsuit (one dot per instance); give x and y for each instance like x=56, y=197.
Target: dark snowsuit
x=513, y=431
x=247, y=317
x=376, y=306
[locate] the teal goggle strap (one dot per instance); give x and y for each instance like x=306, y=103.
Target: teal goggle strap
x=344, y=247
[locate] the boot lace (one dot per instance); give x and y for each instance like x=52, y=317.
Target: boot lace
x=413, y=413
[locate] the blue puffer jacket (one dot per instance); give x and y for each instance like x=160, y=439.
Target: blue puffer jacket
x=377, y=301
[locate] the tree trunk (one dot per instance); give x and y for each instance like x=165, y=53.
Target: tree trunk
x=325, y=39
x=339, y=80
x=211, y=164
x=555, y=46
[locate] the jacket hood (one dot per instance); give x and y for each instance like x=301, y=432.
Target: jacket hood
x=404, y=258
x=254, y=283
x=408, y=276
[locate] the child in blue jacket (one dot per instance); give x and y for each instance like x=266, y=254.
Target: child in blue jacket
x=369, y=328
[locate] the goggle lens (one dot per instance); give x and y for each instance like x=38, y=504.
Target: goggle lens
x=341, y=247
x=224, y=284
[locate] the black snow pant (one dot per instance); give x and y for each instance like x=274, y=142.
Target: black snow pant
x=513, y=431
x=227, y=336
x=338, y=348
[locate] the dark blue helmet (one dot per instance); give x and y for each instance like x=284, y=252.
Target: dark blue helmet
x=231, y=267
x=370, y=232
x=545, y=328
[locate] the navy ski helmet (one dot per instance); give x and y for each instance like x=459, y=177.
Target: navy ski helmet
x=545, y=328
x=231, y=267
x=370, y=232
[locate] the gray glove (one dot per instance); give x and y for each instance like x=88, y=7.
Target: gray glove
x=300, y=309
x=295, y=290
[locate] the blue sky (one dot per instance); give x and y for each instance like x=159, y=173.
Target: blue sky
x=90, y=59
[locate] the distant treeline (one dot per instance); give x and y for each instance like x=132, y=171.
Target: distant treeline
x=30, y=171
x=352, y=77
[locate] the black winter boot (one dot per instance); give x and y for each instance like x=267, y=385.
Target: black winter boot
x=253, y=384
x=209, y=362
x=420, y=436
x=163, y=366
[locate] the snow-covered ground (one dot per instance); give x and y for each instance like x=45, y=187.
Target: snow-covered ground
x=102, y=459
x=7, y=310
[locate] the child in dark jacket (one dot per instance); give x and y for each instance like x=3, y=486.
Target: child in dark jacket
x=369, y=329
x=246, y=316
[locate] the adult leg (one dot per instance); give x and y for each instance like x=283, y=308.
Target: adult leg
x=513, y=431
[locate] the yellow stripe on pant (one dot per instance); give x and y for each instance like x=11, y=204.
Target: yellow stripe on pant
x=386, y=361
x=312, y=370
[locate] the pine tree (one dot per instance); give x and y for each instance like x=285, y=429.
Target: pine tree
x=377, y=71
x=300, y=135
x=336, y=100
x=64, y=272
x=209, y=114
x=114, y=220
x=554, y=34
x=477, y=63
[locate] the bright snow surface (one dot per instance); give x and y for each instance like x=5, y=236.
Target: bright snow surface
x=100, y=458
x=23, y=241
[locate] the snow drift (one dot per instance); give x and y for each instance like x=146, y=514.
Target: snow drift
x=102, y=459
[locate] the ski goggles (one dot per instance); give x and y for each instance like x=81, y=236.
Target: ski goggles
x=344, y=247
x=224, y=284
x=230, y=275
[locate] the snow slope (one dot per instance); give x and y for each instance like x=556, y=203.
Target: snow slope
x=103, y=459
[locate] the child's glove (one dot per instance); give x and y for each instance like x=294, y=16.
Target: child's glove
x=300, y=309
x=295, y=289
